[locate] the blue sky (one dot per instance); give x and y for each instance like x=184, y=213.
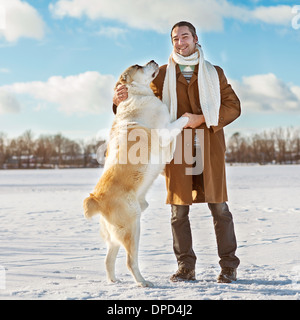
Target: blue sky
x=59, y=59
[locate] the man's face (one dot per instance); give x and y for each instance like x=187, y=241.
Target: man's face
x=183, y=41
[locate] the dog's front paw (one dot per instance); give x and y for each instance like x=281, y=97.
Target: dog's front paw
x=183, y=120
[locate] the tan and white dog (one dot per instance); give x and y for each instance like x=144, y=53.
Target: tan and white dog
x=138, y=148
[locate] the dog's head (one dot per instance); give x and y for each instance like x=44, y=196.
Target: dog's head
x=142, y=75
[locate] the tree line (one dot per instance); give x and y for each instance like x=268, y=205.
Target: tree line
x=47, y=151
x=277, y=146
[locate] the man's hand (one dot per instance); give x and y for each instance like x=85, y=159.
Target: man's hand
x=120, y=94
x=195, y=120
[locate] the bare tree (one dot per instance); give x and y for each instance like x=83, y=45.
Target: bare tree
x=3, y=154
x=58, y=140
x=296, y=145
x=28, y=145
x=281, y=144
x=44, y=149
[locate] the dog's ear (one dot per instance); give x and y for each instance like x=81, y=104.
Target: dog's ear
x=125, y=78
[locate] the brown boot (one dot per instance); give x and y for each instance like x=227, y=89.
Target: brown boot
x=227, y=275
x=183, y=274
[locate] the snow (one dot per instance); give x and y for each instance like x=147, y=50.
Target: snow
x=49, y=251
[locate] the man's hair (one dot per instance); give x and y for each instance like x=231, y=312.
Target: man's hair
x=185, y=24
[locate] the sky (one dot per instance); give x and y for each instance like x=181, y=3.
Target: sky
x=60, y=59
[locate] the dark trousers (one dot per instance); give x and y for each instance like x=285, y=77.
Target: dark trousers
x=224, y=230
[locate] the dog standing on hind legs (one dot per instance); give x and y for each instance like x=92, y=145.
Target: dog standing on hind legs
x=119, y=196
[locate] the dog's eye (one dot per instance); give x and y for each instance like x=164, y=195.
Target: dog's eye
x=153, y=75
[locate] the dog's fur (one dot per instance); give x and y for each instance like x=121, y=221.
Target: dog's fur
x=119, y=196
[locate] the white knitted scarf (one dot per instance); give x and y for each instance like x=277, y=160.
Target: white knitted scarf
x=208, y=85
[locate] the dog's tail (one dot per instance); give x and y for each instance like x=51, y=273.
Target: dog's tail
x=91, y=206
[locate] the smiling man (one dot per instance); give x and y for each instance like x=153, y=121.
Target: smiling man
x=191, y=86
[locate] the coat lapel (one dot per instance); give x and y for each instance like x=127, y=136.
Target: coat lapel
x=195, y=75
x=180, y=77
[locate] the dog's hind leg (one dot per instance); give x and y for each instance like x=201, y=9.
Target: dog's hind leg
x=110, y=261
x=131, y=245
x=112, y=249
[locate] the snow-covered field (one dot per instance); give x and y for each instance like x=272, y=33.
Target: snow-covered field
x=49, y=251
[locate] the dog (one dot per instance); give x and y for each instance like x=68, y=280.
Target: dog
x=136, y=154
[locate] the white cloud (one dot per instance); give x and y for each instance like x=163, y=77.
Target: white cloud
x=280, y=15
x=155, y=15
x=267, y=93
x=2, y=17
x=85, y=93
x=296, y=91
x=8, y=102
x=206, y=15
x=21, y=20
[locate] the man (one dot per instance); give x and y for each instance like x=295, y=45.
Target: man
x=192, y=87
